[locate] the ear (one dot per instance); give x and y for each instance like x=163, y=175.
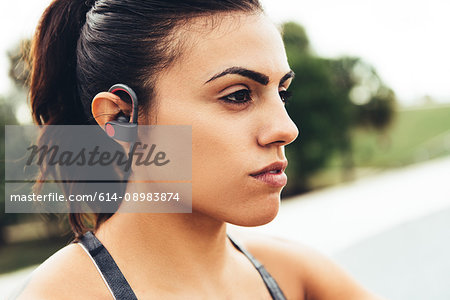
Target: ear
x=106, y=106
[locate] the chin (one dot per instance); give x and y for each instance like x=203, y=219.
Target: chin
x=257, y=216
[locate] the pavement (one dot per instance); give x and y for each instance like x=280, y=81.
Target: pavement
x=391, y=231
x=408, y=262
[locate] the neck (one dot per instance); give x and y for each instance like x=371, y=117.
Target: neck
x=190, y=244
x=172, y=233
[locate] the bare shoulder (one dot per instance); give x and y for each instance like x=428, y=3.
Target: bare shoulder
x=67, y=274
x=298, y=267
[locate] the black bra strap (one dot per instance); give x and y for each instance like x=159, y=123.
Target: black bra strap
x=270, y=282
x=120, y=287
x=116, y=282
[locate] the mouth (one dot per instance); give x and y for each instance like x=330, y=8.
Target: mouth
x=272, y=175
x=273, y=168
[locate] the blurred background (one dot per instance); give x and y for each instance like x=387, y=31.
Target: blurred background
x=369, y=174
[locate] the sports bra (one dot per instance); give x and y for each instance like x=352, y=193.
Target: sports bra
x=120, y=289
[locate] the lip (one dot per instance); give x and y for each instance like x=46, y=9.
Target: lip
x=279, y=165
x=278, y=179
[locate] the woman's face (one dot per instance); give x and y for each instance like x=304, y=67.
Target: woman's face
x=239, y=121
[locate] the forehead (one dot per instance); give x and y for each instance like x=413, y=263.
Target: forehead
x=215, y=43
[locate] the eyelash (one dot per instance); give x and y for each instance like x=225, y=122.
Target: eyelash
x=284, y=95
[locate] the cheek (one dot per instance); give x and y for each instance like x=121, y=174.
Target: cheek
x=221, y=186
x=217, y=151
x=218, y=155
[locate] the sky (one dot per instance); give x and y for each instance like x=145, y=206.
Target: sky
x=406, y=41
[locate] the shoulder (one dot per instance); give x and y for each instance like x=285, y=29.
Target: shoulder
x=67, y=274
x=297, y=267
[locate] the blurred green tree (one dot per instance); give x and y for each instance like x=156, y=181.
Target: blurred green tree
x=373, y=102
x=330, y=97
x=7, y=117
x=19, y=70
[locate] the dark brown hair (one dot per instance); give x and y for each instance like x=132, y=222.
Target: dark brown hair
x=81, y=48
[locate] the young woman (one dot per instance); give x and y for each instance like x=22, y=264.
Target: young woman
x=219, y=66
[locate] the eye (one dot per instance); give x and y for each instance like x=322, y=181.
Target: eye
x=239, y=97
x=285, y=96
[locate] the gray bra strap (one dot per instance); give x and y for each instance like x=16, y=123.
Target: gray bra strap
x=270, y=282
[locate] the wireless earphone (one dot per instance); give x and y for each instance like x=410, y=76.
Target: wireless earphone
x=121, y=128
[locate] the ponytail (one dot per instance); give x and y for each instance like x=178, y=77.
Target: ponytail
x=54, y=95
x=53, y=87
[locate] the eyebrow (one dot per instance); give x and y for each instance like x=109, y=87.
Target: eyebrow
x=253, y=75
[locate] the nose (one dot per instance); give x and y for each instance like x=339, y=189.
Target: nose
x=278, y=127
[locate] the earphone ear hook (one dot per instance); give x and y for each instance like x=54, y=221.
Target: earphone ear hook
x=134, y=101
x=121, y=129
